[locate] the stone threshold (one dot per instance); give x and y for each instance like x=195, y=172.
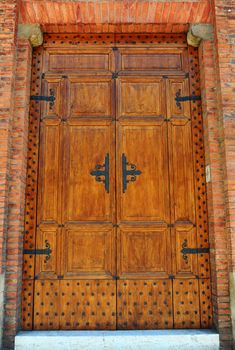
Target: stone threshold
x=118, y=340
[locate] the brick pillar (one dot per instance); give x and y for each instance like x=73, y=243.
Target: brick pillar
x=8, y=27
x=225, y=57
x=16, y=197
x=215, y=158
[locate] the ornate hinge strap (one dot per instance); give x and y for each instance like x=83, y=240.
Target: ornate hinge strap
x=101, y=173
x=186, y=250
x=46, y=251
x=179, y=98
x=128, y=170
x=50, y=98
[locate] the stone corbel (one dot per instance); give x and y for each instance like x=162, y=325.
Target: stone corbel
x=199, y=32
x=31, y=32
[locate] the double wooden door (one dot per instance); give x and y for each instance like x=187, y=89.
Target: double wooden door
x=116, y=202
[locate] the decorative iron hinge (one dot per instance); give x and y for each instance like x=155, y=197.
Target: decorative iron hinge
x=179, y=98
x=46, y=251
x=102, y=170
x=50, y=98
x=132, y=172
x=42, y=98
x=185, y=250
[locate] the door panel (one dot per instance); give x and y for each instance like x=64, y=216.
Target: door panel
x=47, y=305
x=90, y=97
x=144, y=304
x=186, y=303
x=75, y=304
x=86, y=145
x=85, y=61
x=181, y=172
x=142, y=252
x=49, y=173
x=48, y=264
x=154, y=60
x=174, y=109
x=88, y=251
x=88, y=304
x=133, y=137
x=52, y=86
x=185, y=264
x=181, y=164
x=140, y=97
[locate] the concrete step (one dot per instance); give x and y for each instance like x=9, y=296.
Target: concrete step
x=118, y=340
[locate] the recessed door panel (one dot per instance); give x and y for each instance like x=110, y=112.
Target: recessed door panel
x=140, y=97
x=143, y=196
x=88, y=251
x=143, y=252
x=49, y=172
x=87, y=196
x=48, y=242
x=181, y=162
x=90, y=97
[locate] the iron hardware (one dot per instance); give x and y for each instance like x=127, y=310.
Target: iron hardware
x=114, y=48
x=171, y=277
x=115, y=225
x=60, y=277
x=116, y=277
x=46, y=251
x=114, y=75
x=132, y=172
x=42, y=98
x=179, y=98
x=50, y=98
x=102, y=171
x=186, y=250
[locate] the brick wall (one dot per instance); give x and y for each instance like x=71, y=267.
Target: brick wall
x=224, y=22
x=8, y=25
x=218, y=89
x=214, y=152
x=16, y=197
x=224, y=19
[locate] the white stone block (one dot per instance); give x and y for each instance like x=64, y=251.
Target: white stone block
x=118, y=340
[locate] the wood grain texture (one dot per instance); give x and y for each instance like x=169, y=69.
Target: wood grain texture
x=116, y=259
x=144, y=304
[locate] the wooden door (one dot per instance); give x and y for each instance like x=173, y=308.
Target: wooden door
x=118, y=213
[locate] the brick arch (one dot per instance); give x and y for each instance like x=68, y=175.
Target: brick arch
x=114, y=12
